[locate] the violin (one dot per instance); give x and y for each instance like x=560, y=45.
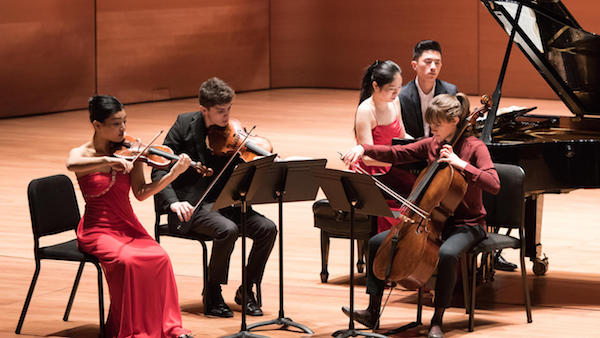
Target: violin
x=224, y=141
x=409, y=253
x=156, y=156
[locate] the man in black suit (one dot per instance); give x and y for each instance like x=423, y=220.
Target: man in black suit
x=188, y=135
x=416, y=95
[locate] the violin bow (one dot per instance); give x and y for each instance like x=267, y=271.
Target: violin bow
x=223, y=170
x=147, y=146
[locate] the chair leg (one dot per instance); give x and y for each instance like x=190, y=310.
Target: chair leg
x=419, y=306
x=73, y=291
x=204, y=266
x=100, y=299
x=473, y=286
x=324, y=256
x=360, y=264
x=527, y=300
x=28, y=298
x=465, y=280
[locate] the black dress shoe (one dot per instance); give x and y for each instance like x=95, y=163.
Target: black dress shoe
x=214, y=305
x=365, y=317
x=252, y=308
x=502, y=264
x=435, y=332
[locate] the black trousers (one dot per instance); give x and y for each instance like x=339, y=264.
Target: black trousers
x=224, y=227
x=457, y=240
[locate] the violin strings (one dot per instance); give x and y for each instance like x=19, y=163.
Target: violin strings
x=147, y=146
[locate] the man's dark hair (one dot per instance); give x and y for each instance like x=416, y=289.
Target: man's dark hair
x=213, y=92
x=424, y=45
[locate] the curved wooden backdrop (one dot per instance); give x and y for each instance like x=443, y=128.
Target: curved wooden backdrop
x=148, y=50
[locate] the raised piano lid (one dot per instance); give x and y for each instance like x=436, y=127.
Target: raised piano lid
x=565, y=55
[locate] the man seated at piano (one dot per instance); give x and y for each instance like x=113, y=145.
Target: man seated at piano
x=416, y=95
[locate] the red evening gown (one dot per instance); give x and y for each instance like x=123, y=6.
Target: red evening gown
x=143, y=293
x=403, y=181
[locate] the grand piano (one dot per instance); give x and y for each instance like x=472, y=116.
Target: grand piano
x=558, y=154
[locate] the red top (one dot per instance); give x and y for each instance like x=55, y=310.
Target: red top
x=383, y=134
x=479, y=173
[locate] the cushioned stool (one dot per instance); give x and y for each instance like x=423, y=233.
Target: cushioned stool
x=336, y=224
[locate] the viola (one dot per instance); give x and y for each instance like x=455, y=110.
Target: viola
x=157, y=156
x=409, y=253
x=224, y=141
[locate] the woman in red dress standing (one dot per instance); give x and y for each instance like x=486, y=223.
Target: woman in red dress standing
x=143, y=293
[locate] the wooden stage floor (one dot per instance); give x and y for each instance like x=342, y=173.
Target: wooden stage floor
x=300, y=122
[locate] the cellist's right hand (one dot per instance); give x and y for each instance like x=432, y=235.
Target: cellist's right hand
x=354, y=154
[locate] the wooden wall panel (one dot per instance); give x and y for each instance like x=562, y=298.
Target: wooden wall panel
x=152, y=50
x=522, y=80
x=47, y=56
x=317, y=43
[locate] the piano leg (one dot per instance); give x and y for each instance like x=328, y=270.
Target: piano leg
x=533, y=232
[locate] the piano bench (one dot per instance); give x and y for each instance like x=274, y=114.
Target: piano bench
x=336, y=224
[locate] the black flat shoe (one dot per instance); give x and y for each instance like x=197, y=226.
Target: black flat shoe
x=252, y=308
x=214, y=305
x=365, y=317
x=435, y=332
x=502, y=264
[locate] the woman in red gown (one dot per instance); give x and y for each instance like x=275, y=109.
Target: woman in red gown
x=143, y=293
x=377, y=121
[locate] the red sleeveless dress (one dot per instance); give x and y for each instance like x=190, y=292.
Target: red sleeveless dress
x=143, y=293
x=383, y=134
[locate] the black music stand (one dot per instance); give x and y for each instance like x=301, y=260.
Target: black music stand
x=235, y=192
x=285, y=181
x=348, y=191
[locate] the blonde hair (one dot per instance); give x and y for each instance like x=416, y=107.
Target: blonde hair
x=446, y=107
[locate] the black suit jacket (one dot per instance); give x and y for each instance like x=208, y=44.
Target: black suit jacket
x=188, y=135
x=410, y=103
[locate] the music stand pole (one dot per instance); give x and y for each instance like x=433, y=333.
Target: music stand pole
x=281, y=320
x=240, y=193
x=352, y=192
x=351, y=331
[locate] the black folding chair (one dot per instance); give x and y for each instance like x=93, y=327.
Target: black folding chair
x=53, y=209
x=506, y=210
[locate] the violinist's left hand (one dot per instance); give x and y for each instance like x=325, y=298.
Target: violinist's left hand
x=447, y=155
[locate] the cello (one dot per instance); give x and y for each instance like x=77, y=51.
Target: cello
x=409, y=253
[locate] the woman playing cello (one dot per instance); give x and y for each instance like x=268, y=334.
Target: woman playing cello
x=143, y=293
x=466, y=228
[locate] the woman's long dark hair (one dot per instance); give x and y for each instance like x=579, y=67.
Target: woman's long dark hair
x=102, y=106
x=382, y=72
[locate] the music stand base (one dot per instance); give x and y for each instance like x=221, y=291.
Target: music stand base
x=403, y=328
x=355, y=333
x=245, y=334
x=286, y=322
